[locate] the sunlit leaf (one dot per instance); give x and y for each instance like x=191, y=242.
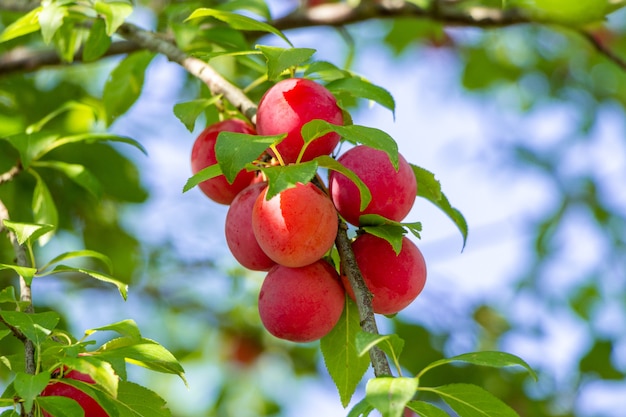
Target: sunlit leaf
x=83, y=253
x=391, y=344
x=114, y=14
x=100, y=276
x=27, y=232
x=486, y=358
x=469, y=400
x=127, y=328
x=50, y=19
x=189, y=111
x=424, y=409
x=390, y=395
x=25, y=272
x=360, y=88
x=281, y=59
x=77, y=173
x=26, y=24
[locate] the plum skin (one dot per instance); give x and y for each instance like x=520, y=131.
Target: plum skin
x=203, y=155
x=238, y=230
x=297, y=226
x=301, y=304
x=287, y=106
x=57, y=388
x=394, y=281
x=393, y=192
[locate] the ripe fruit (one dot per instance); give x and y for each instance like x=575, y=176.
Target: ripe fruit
x=301, y=304
x=60, y=389
x=393, y=192
x=287, y=106
x=394, y=281
x=297, y=226
x=203, y=155
x=239, y=235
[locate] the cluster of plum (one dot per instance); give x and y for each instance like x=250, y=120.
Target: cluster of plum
x=289, y=235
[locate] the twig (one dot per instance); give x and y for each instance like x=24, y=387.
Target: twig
x=9, y=175
x=604, y=50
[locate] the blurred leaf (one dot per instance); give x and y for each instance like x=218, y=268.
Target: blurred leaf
x=281, y=59
x=26, y=232
x=60, y=406
x=234, y=151
x=35, y=326
x=96, y=137
x=32, y=146
x=361, y=88
x=29, y=386
x=125, y=84
x=258, y=7
x=597, y=361
x=327, y=162
x=469, y=400
x=50, y=19
x=97, y=42
x=487, y=358
x=25, y=272
x=425, y=409
x=189, y=111
x=282, y=177
x=237, y=21
x=390, y=395
x=68, y=106
x=7, y=295
x=325, y=70
x=44, y=208
x=362, y=408
x=126, y=328
x=81, y=254
x=67, y=40
x=202, y=175
x=114, y=13
x=100, y=276
x=77, y=173
x=391, y=344
x=26, y=24
x=345, y=366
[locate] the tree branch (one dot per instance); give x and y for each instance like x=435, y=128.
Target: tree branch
x=603, y=49
x=8, y=176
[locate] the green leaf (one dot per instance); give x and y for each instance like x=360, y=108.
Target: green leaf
x=66, y=41
x=10, y=413
x=97, y=43
x=28, y=387
x=90, y=138
x=7, y=295
x=360, y=88
x=327, y=162
x=125, y=84
x=258, y=7
x=27, y=232
x=390, y=395
x=282, y=177
x=100, y=276
x=4, y=333
x=325, y=71
x=234, y=151
x=393, y=234
x=60, y=406
x=237, y=21
x=26, y=24
x=281, y=59
x=25, y=272
x=66, y=107
x=202, y=175
x=486, y=358
x=391, y=344
x=114, y=14
x=372, y=137
x=50, y=19
x=137, y=401
x=430, y=188
x=35, y=326
x=44, y=209
x=469, y=400
x=81, y=254
x=75, y=172
x=362, y=408
x=345, y=366
x=189, y=111
x=424, y=409
x=100, y=371
x=32, y=146
x=127, y=328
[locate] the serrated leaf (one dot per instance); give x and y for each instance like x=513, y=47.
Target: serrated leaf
x=44, y=208
x=469, y=400
x=137, y=401
x=430, y=188
x=327, y=162
x=114, y=14
x=100, y=276
x=234, y=151
x=26, y=24
x=29, y=386
x=487, y=358
x=32, y=146
x=97, y=43
x=360, y=88
x=202, y=175
x=391, y=344
x=125, y=83
x=281, y=59
x=237, y=21
x=25, y=272
x=424, y=409
x=127, y=328
x=60, y=406
x=27, y=232
x=50, y=19
x=282, y=177
x=35, y=326
x=75, y=172
x=189, y=111
x=325, y=70
x=343, y=363
x=100, y=371
x=390, y=395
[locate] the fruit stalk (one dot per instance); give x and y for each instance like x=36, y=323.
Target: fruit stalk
x=362, y=296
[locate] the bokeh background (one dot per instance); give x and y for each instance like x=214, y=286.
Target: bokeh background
x=523, y=126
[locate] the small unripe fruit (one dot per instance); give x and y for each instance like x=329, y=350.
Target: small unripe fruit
x=394, y=280
x=60, y=389
x=393, y=192
x=301, y=304
x=297, y=226
x=203, y=155
x=287, y=106
x=238, y=230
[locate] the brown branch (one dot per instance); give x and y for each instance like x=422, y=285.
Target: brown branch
x=8, y=176
x=604, y=49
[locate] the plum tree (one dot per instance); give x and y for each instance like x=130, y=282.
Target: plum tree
x=301, y=304
x=393, y=192
x=60, y=389
x=297, y=226
x=238, y=230
x=394, y=280
x=218, y=188
x=287, y=106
